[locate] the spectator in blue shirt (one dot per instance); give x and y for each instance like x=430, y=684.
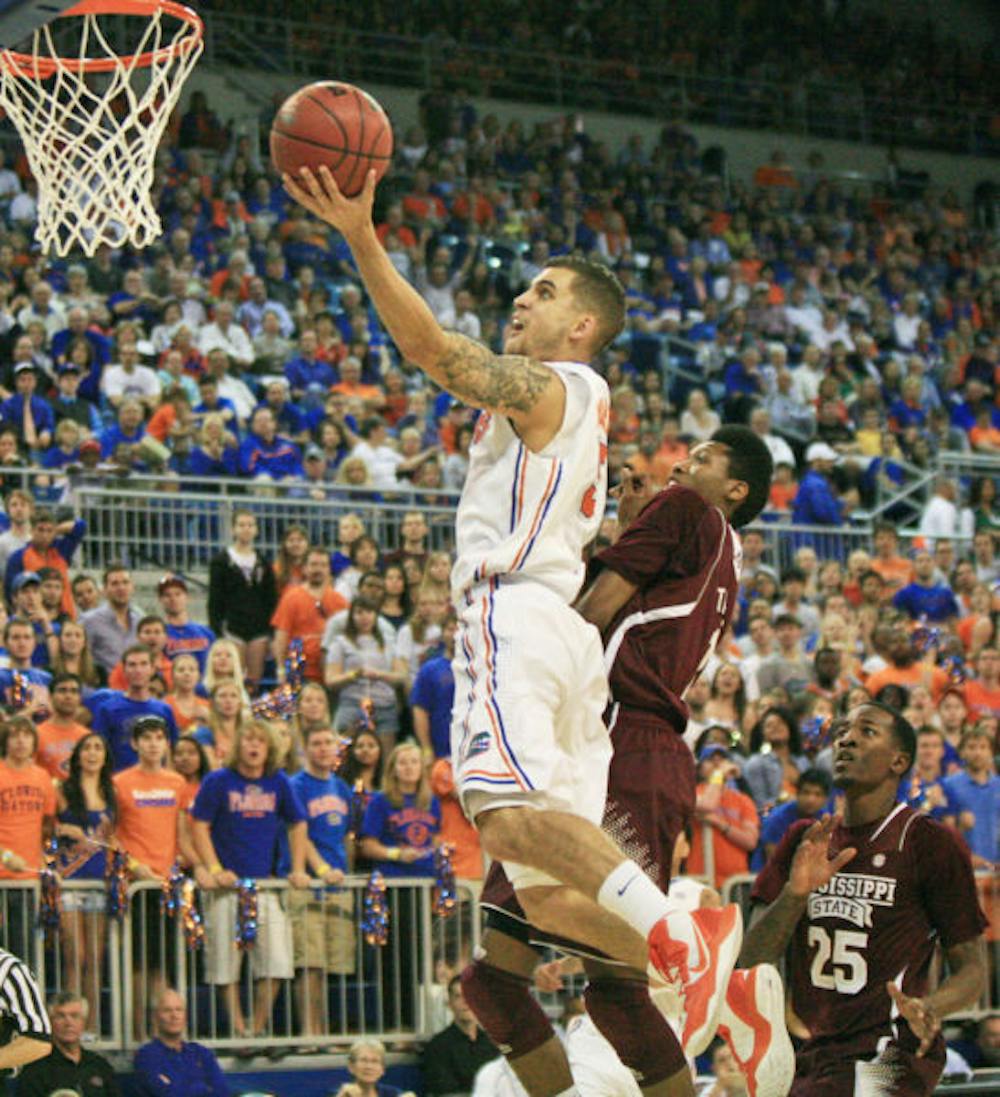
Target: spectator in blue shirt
x=184, y=636
x=974, y=798
x=23, y=686
x=308, y=375
x=115, y=712
x=236, y=820
x=251, y=313
x=265, y=453
x=30, y=415
x=169, y=1065
x=815, y=503
x=323, y=934
x=129, y=430
x=925, y=598
x=211, y=401
x=401, y=822
x=433, y=695
x=215, y=452
x=290, y=419
x=78, y=327
x=923, y=787
x=812, y=790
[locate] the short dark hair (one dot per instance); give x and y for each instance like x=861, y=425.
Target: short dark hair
x=902, y=730
x=43, y=515
x=17, y=723
x=793, y=575
x=597, y=289
x=150, y=619
x=815, y=776
x=869, y=574
x=62, y=677
x=885, y=527
x=149, y=722
x=750, y=461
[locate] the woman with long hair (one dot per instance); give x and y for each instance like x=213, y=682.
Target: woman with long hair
x=224, y=664
x=85, y=821
x=363, y=763
x=361, y=666
x=437, y=575
x=983, y=501
x=423, y=630
x=776, y=757
x=189, y=708
x=312, y=710
x=727, y=702
x=227, y=715
x=396, y=607
x=365, y=556
x=73, y=657
x=242, y=595
x=291, y=559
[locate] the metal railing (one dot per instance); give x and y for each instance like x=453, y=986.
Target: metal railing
x=311, y=967
x=830, y=109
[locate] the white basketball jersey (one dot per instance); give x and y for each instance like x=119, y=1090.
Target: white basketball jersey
x=529, y=515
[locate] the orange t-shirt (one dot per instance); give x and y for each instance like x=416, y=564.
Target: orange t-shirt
x=303, y=617
x=981, y=701
x=914, y=675
x=161, y=422
x=467, y=857
x=148, y=808
x=897, y=572
x=164, y=667
x=27, y=796
x=184, y=723
x=729, y=858
x=55, y=745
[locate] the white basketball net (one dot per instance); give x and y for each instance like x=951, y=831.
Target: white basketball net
x=91, y=139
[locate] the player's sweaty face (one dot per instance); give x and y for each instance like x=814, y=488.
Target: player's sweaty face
x=706, y=470
x=864, y=748
x=543, y=316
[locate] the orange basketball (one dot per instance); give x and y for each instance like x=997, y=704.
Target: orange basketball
x=334, y=124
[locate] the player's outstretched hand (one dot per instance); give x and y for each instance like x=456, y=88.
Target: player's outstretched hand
x=919, y=1015
x=319, y=193
x=812, y=865
x=634, y=494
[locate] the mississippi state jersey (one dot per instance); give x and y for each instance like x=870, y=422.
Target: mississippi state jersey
x=909, y=885
x=684, y=557
x=529, y=515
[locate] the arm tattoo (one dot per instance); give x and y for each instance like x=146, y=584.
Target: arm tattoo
x=768, y=936
x=498, y=382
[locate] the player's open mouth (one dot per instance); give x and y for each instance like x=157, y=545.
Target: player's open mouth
x=516, y=324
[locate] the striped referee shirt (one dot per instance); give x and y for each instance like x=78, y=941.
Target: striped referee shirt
x=22, y=1008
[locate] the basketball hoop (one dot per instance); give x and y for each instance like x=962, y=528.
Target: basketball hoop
x=91, y=118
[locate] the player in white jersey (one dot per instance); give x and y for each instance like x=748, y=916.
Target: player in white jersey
x=530, y=750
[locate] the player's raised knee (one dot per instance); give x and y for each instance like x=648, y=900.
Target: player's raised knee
x=505, y=833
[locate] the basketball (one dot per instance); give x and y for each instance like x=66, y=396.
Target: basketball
x=334, y=124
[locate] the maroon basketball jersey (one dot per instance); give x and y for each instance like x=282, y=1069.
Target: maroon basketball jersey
x=685, y=559
x=909, y=886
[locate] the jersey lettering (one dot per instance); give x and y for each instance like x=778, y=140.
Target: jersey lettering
x=840, y=964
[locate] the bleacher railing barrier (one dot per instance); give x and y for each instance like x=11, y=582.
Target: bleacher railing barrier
x=341, y=988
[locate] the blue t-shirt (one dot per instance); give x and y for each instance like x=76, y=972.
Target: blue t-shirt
x=913, y=791
x=190, y=639
x=965, y=794
x=245, y=817
x=434, y=690
x=934, y=603
x=193, y=1071
x=327, y=807
x=114, y=718
x=408, y=825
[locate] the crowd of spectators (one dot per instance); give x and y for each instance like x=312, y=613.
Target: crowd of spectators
x=843, y=70
x=849, y=330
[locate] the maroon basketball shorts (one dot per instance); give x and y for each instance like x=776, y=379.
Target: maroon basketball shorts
x=651, y=795
x=895, y=1072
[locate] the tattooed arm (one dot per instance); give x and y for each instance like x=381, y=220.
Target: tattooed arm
x=530, y=394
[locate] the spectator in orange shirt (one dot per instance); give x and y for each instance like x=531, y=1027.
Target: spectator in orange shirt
x=173, y=420
x=59, y=734
x=456, y=830
x=896, y=570
x=473, y=205
x=350, y=384
x=302, y=614
x=730, y=816
x=982, y=693
x=393, y=223
x=152, y=632
x=906, y=669
x=27, y=821
x=784, y=488
x=984, y=437
x=420, y=204
x=151, y=803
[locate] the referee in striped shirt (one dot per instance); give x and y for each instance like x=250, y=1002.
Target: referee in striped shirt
x=25, y=1033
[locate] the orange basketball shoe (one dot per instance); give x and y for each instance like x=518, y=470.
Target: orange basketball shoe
x=752, y=1022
